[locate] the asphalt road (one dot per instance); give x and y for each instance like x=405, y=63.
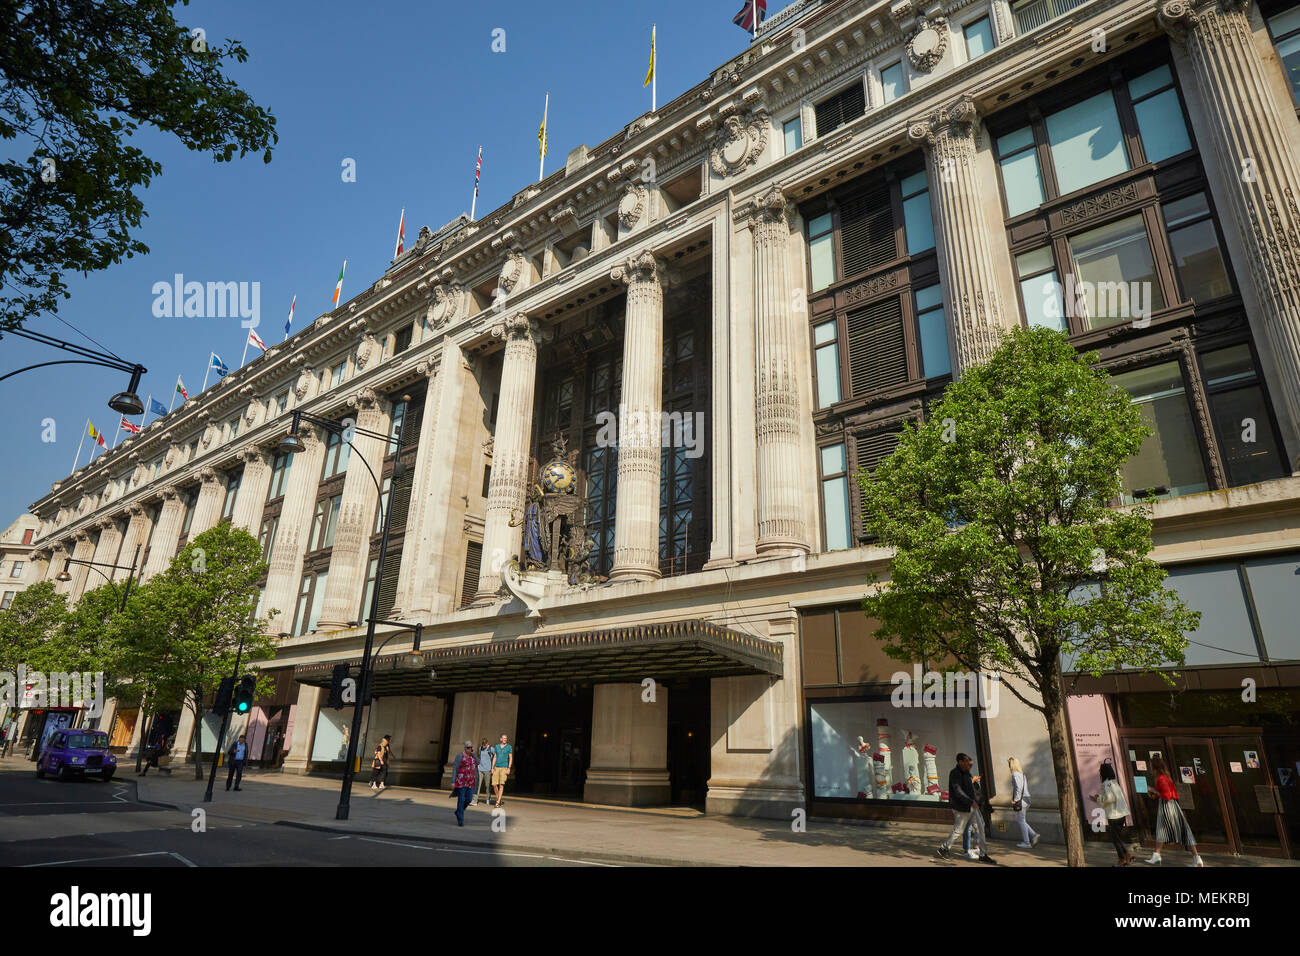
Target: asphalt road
x=49, y=823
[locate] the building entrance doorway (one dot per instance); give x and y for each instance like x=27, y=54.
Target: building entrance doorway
x=552, y=741
x=689, y=741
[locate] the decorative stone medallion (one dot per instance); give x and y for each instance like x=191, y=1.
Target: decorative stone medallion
x=739, y=143
x=928, y=44
x=632, y=206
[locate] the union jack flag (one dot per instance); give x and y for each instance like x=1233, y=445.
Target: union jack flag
x=133, y=429
x=752, y=8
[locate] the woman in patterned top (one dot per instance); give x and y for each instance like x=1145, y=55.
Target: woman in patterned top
x=463, y=780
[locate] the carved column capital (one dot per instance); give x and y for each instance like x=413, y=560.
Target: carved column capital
x=517, y=327
x=364, y=399
x=136, y=510
x=951, y=122
x=208, y=475
x=645, y=266
x=1179, y=17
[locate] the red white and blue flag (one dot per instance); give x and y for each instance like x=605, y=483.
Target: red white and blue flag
x=133, y=429
x=753, y=14
x=401, y=234
x=478, y=169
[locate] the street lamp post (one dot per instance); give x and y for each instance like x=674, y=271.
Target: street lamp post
x=128, y=402
x=291, y=444
x=63, y=576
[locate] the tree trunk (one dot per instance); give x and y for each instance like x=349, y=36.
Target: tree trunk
x=198, y=736
x=1067, y=787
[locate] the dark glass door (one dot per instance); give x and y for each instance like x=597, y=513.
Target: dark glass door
x=1200, y=783
x=1252, y=795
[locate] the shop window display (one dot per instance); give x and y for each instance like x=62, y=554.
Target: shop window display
x=333, y=727
x=872, y=750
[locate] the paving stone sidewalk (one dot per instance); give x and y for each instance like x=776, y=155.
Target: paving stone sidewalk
x=671, y=837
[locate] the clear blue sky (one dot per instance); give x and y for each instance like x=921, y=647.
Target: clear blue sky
x=407, y=89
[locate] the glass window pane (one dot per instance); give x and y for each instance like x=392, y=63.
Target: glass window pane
x=1171, y=455
x=822, y=253
x=928, y=297
x=1156, y=79
x=793, y=130
x=1087, y=145
x=1288, y=51
x=934, y=343
x=1181, y=210
x=979, y=38
x=891, y=79
x=913, y=184
x=1022, y=182
x=824, y=333
x=1043, y=303
x=1035, y=260
x=828, y=375
x=1277, y=599
x=317, y=600
x=819, y=226
x=836, y=496
x=917, y=223
x=833, y=460
x=1160, y=121
x=817, y=640
x=1201, y=271
x=1017, y=139
x=1215, y=591
x=1241, y=422
x=1228, y=365
x=1115, y=263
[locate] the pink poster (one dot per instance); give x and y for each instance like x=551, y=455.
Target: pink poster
x=256, y=731
x=1093, y=735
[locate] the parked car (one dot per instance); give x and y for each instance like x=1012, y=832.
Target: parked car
x=72, y=753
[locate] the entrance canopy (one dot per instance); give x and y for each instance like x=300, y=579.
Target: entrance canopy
x=619, y=655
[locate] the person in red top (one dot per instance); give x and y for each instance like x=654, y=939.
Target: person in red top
x=463, y=779
x=1171, y=825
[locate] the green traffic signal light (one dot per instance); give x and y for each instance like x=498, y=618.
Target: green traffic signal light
x=244, y=693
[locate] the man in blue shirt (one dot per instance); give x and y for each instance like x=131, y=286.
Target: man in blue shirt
x=503, y=761
x=238, y=754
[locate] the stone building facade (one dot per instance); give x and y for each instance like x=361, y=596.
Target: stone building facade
x=783, y=265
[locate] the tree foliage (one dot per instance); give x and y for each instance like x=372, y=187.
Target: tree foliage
x=78, y=79
x=1009, y=550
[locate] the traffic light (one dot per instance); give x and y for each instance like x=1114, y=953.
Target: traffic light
x=244, y=693
x=221, y=705
x=336, y=686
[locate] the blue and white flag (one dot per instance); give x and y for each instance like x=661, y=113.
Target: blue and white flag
x=219, y=366
x=157, y=407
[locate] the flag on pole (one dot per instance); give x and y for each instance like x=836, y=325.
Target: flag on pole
x=95, y=434
x=541, y=138
x=180, y=387
x=478, y=170
x=255, y=339
x=288, y=324
x=650, y=73
x=218, y=366
x=157, y=407
x=133, y=429
x=401, y=233
x=751, y=16
x=338, y=286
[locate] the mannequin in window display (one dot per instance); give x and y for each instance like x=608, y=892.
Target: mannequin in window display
x=932, y=789
x=862, y=760
x=883, y=760
x=911, y=766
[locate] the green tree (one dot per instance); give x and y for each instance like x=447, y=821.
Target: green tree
x=77, y=80
x=183, y=628
x=36, y=616
x=1009, y=552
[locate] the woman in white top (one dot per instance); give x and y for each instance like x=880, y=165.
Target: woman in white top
x=1020, y=803
x=1111, y=799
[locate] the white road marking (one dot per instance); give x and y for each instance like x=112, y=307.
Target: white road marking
x=99, y=859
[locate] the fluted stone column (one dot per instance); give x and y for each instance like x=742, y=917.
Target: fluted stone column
x=207, y=509
x=356, y=515
x=106, y=552
x=1260, y=182
x=966, y=263
x=162, y=547
x=58, y=554
x=417, y=553
x=305, y=714
x=781, y=524
x=508, y=487
x=39, y=567
x=84, y=551
x=137, y=533
x=250, y=500
x=636, y=516
x=629, y=747
x=295, y=525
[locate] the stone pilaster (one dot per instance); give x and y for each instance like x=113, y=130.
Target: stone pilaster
x=305, y=712
x=38, y=567
x=162, y=547
x=629, y=747
x=137, y=533
x=417, y=556
x=207, y=508
x=106, y=552
x=508, y=487
x=1259, y=185
x=285, y=574
x=58, y=554
x=781, y=524
x=250, y=500
x=84, y=551
x=342, y=601
x=966, y=263
x=636, y=519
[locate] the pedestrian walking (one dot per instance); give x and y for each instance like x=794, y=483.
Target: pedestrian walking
x=153, y=754
x=1029, y=837
x=965, y=809
x=237, y=755
x=1111, y=800
x=1171, y=825
x=379, y=764
x=463, y=780
x=484, y=772
x=503, y=761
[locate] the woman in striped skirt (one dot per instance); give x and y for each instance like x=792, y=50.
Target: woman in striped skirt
x=1171, y=825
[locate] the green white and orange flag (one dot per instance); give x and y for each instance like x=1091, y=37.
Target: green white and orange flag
x=338, y=286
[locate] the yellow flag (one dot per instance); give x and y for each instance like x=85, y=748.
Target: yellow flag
x=90, y=430
x=650, y=73
x=541, y=138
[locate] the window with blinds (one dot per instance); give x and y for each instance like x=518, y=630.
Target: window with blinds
x=388, y=584
x=868, y=233
x=844, y=107
x=869, y=451
x=877, y=349
x=473, y=562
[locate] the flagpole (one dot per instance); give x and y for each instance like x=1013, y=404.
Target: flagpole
x=245, y=355
x=397, y=250
x=119, y=430
x=79, y=444
x=211, y=356
x=474, y=202
x=175, y=391
x=753, y=7
x=148, y=407
x=541, y=163
x=654, y=70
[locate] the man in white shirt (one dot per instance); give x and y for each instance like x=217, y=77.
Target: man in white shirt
x=238, y=754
